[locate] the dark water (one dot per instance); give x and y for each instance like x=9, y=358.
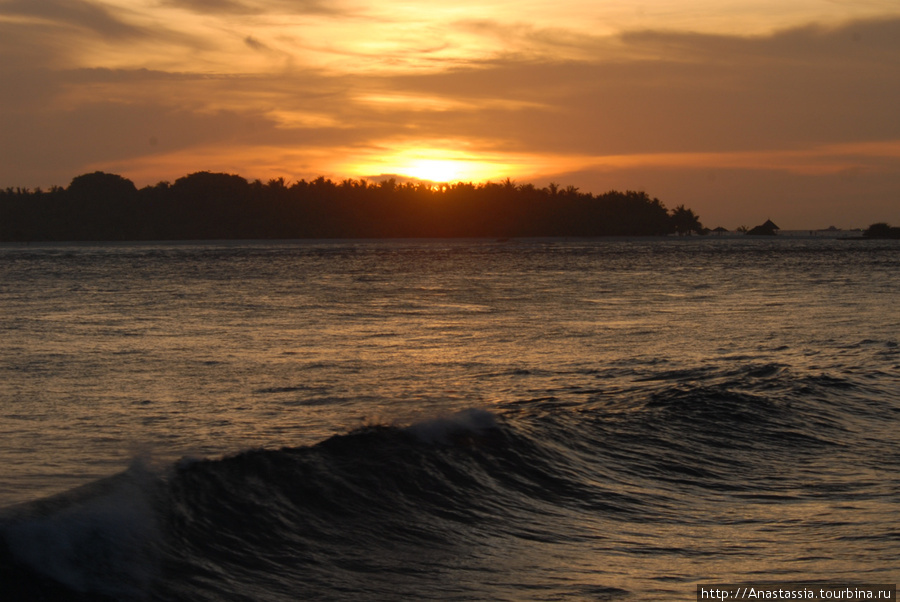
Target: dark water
x=546, y=420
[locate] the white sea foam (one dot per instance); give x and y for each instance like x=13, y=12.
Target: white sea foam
x=445, y=428
x=102, y=539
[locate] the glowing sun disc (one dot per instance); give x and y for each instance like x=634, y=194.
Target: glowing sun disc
x=434, y=170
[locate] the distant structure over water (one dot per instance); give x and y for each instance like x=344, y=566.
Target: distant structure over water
x=767, y=229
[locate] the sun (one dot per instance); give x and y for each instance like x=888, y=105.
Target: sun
x=439, y=165
x=434, y=170
x=434, y=163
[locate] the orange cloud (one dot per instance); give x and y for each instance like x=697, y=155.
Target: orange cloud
x=826, y=159
x=299, y=89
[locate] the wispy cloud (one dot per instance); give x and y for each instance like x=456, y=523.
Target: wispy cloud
x=91, y=16
x=255, y=7
x=254, y=43
x=231, y=7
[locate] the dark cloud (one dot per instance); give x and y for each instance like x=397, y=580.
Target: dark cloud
x=52, y=148
x=214, y=6
x=54, y=32
x=873, y=39
x=50, y=141
x=254, y=43
x=254, y=7
x=76, y=13
x=24, y=48
x=699, y=93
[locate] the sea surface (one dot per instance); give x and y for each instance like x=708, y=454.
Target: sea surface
x=447, y=420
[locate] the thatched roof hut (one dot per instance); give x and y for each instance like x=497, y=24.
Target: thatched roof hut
x=766, y=229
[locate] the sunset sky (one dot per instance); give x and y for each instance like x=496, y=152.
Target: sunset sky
x=743, y=110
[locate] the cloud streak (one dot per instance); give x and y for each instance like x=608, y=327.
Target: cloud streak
x=251, y=7
x=90, y=16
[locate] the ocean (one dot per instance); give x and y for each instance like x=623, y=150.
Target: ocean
x=447, y=419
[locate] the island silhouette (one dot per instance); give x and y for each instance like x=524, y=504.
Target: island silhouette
x=882, y=230
x=211, y=206
x=207, y=205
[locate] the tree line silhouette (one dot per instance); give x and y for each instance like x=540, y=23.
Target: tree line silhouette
x=882, y=230
x=205, y=205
